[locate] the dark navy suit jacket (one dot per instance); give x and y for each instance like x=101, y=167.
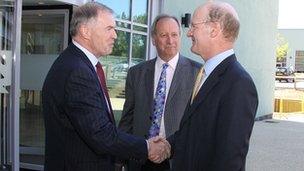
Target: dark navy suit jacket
x=215, y=129
x=79, y=133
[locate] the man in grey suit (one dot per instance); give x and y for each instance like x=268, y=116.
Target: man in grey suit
x=147, y=110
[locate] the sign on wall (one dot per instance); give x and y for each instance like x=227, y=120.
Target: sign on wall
x=5, y=70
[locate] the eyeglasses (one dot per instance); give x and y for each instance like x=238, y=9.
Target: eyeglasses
x=193, y=26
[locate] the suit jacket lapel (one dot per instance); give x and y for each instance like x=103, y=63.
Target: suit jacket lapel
x=149, y=83
x=82, y=57
x=86, y=60
x=206, y=88
x=177, y=77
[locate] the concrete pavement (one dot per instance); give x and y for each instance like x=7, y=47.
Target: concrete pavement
x=276, y=145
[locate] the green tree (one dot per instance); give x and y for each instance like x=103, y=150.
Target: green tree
x=139, y=46
x=282, y=48
x=121, y=47
x=140, y=18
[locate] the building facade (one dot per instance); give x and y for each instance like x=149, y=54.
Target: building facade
x=295, y=52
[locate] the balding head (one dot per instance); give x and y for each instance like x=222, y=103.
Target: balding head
x=226, y=15
x=214, y=29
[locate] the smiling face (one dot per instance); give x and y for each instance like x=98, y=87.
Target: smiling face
x=166, y=39
x=101, y=34
x=199, y=32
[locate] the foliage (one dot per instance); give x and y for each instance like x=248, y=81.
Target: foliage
x=122, y=43
x=282, y=48
x=139, y=46
x=121, y=47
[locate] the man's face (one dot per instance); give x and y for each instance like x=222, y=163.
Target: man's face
x=102, y=34
x=167, y=38
x=199, y=32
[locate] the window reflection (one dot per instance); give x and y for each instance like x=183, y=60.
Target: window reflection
x=121, y=47
x=117, y=64
x=139, y=48
x=140, y=28
x=31, y=119
x=42, y=34
x=139, y=12
x=120, y=7
x=123, y=25
x=41, y=41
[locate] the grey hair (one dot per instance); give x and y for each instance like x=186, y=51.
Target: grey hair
x=84, y=13
x=160, y=17
x=229, y=22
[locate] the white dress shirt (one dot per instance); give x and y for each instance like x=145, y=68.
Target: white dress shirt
x=169, y=75
x=94, y=60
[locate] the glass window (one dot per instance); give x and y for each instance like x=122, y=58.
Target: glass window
x=122, y=45
x=123, y=25
x=299, y=61
x=7, y=32
x=116, y=66
x=140, y=28
x=120, y=7
x=139, y=44
x=130, y=47
x=43, y=36
x=139, y=11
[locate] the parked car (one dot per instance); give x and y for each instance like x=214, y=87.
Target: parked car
x=284, y=71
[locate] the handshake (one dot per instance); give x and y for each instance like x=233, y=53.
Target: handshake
x=159, y=149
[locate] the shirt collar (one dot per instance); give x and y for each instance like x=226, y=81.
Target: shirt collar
x=93, y=59
x=213, y=62
x=172, y=63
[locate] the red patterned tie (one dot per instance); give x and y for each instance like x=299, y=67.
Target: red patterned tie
x=103, y=84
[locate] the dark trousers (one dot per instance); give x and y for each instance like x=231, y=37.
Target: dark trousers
x=150, y=166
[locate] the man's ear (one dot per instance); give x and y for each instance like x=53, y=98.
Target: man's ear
x=84, y=31
x=153, y=41
x=214, y=29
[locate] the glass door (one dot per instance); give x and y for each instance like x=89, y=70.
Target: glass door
x=8, y=119
x=44, y=35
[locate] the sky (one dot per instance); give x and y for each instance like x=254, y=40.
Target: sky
x=291, y=14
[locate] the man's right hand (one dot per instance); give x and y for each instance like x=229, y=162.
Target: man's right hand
x=159, y=149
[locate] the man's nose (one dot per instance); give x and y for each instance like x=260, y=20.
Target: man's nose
x=114, y=34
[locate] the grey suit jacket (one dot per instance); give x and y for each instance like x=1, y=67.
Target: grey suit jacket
x=138, y=106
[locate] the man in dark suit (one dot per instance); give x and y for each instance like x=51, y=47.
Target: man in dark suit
x=142, y=82
x=215, y=129
x=80, y=127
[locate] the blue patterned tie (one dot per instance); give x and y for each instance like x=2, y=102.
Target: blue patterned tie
x=159, y=103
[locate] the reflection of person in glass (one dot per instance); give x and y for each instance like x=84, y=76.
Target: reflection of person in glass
x=29, y=44
x=80, y=128
x=176, y=72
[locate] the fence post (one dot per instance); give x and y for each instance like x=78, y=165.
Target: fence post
x=302, y=108
x=281, y=106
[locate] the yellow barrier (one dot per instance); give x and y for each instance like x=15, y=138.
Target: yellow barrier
x=288, y=105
